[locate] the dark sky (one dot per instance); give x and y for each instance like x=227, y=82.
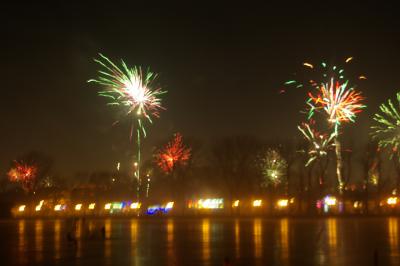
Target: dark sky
x=221, y=64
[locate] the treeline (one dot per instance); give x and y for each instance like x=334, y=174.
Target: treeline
x=230, y=167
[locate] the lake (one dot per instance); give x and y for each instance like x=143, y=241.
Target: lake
x=201, y=241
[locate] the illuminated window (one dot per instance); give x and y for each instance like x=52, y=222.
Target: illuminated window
x=135, y=205
x=58, y=207
x=169, y=205
x=210, y=204
x=39, y=207
x=283, y=203
x=392, y=201
x=117, y=205
x=330, y=201
x=257, y=203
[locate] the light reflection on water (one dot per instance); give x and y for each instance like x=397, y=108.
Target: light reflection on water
x=247, y=241
x=170, y=243
x=331, y=225
x=57, y=239
x=79, y=236
x=284, y=241
x=257, y=233
x=39, y=240
x=107, y=240
x=205, y=227
x=134, y=229
x=134, y=240
x=237, y=238
x=21, y=241
x=393, y=235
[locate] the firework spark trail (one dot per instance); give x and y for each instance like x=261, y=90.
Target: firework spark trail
x=130, y=88
x=321, y=70
x=308, y=65
x=349, y=59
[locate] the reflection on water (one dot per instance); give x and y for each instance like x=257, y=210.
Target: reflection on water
x=57, y=238
x=170, y=231
x=134, y=228
x=284, y=241
x=237, y=238
x=21, y=241
x=79, y=229
x=257, y=233
x=205, y=227
x=39, y=240
x=91, y=227
x=134, y=240
x=170, y=243
x=331, y=235
x=107, y=241
x=331, y=224
x=78, y=236
x=393, y=238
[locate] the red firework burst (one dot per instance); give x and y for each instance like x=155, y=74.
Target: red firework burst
x=173, y=154
x=24, y=174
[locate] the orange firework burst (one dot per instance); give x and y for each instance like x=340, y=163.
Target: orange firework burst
x=340, y=102
x=173, y=154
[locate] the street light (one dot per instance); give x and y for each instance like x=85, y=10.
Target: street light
x=148, y=185
x=137, y=175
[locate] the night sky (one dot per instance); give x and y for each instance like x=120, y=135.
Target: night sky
x=222, y=65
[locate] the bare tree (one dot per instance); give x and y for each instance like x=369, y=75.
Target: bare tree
x=233, y=160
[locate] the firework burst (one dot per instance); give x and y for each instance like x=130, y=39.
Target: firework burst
x=24, y=174
x=320, y=144
x=173, y=154
x=387, y=128
x=340, y=102
x=334, y=96
x=273, y=167
x=130, y=88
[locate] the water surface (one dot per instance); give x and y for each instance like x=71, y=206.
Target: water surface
x=198, y=241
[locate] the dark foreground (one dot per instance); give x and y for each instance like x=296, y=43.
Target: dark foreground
x=330, y=241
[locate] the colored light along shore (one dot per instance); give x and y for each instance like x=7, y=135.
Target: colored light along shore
x=207, y=206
